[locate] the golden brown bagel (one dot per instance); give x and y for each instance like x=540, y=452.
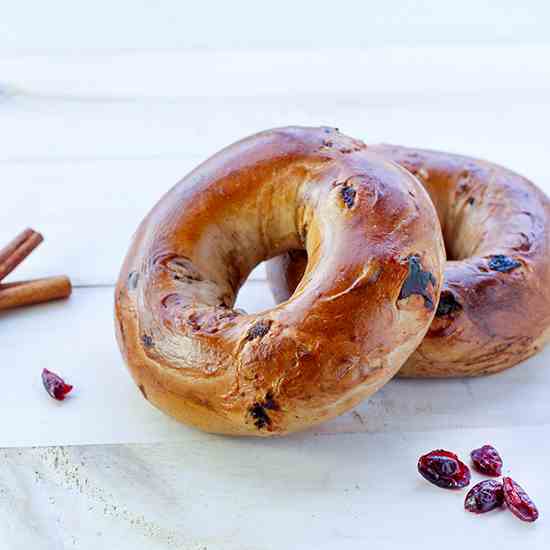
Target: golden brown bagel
x=376, y=262
x=494, y=309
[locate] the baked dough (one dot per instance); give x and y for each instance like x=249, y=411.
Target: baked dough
x=373, y=279
x=494, y=309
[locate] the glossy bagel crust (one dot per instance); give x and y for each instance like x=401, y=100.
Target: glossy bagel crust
x=494, y=309
x=376, y=259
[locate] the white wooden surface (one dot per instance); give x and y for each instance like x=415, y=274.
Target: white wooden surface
x=102, y=109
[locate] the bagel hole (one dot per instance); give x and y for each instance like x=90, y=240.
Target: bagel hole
x=459, y=242
x=254, y=295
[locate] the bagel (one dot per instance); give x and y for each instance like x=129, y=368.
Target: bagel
x=494, y=309
x=376, y=258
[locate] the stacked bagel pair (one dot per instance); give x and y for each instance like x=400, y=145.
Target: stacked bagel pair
x=384, y=261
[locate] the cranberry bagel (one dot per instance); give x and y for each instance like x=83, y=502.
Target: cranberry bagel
x=494, y=309
x=369, y=294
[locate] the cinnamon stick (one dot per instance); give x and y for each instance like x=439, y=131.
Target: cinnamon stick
x=16, y=251
x=26, y=293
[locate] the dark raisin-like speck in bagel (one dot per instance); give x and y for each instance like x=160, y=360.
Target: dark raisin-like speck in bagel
x=448, y=304
x=348, y=195
x=417, y=282
x=502, y=263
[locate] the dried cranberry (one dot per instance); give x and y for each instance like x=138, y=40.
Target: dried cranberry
x=55, y=385
x=485, y=496
x=487, y=460
x=518, y=501
x=444, y=469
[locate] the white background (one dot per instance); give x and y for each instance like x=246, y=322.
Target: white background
x=103, y=107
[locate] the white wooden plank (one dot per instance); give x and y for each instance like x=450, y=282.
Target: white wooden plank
x=86, y=173
x=87, y=212
x=94, y=132
x=76, y=339
x=61, y=25
x=226, y=73
x=341, y=492
x=194, y=129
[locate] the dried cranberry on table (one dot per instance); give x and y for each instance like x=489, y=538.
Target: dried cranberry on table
x=487, y=461
x=444, y=469
x=55, y=385
x=518, y=501
x=484, y=496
